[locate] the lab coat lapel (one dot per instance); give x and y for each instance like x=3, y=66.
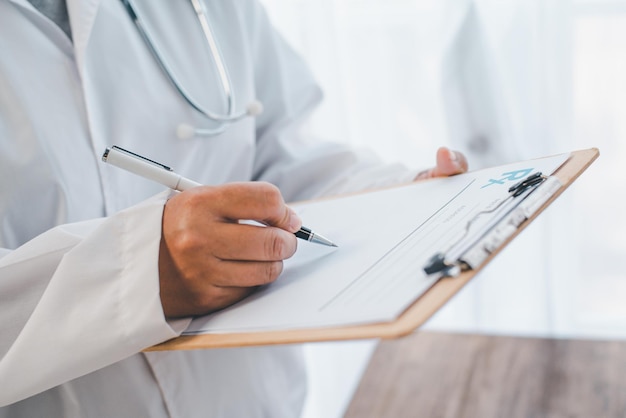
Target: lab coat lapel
x=82, y=17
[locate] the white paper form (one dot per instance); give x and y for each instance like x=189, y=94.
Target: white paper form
x=385, y=238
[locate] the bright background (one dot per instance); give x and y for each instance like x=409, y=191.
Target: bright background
x=500, y=81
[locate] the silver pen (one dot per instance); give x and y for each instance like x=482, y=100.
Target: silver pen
x=163, y=174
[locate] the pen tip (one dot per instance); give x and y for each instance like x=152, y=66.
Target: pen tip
x=318, y=239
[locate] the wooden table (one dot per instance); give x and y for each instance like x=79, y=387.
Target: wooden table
x=434, y=375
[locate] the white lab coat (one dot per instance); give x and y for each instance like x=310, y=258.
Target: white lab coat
x=79, y=239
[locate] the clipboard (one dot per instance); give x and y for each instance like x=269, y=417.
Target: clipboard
x=408, y=321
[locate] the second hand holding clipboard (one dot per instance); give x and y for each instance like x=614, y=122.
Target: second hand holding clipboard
x=470, y=251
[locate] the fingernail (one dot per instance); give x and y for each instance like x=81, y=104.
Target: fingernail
x=454, y=157
x=294, y=221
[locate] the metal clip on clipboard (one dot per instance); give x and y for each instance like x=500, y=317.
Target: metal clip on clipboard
x=469, y=252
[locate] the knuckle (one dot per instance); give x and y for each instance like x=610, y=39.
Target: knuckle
x=198, y=196
x=209, y=300
x=187, y=242
x=275, y=245
x=271, y=271
x=271, y=195
x=199, y=301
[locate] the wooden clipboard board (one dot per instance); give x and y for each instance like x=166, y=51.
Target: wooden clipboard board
x=412, y=318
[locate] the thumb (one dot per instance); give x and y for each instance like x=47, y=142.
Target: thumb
x=255, y=201
x=293, y=221
x=449, y=163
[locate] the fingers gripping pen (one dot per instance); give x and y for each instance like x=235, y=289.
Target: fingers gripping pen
x=163, y=174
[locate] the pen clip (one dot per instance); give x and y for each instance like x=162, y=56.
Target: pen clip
x=132, y=154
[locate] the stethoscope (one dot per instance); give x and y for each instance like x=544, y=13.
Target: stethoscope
x=185, y=131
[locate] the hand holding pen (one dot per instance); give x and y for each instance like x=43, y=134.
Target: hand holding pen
x=163, y=174
x=207, y=259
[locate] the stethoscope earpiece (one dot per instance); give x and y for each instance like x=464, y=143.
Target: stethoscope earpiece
x=255, y=108
x=186, y=131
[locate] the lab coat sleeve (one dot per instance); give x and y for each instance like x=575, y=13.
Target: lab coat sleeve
x=303, y=167
x=80, y=297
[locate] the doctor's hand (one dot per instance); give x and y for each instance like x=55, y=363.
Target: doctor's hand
x=449, y=163
x=208, y=260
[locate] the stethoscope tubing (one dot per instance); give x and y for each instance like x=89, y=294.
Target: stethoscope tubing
x=223, y=119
